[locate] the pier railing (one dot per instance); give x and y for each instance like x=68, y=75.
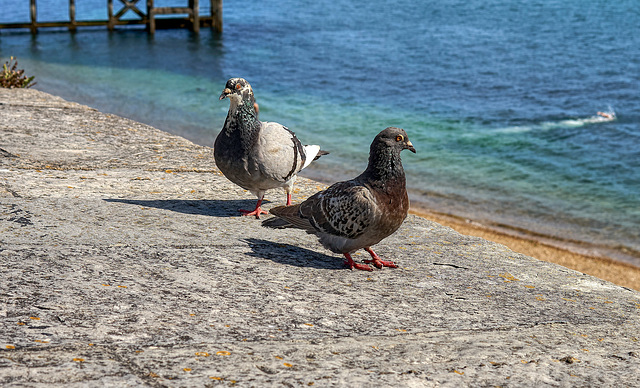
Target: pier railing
x=146, y=16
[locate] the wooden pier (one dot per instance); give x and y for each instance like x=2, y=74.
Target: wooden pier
x=190, y=18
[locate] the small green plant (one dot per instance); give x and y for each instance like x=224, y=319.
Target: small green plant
x=11, y=77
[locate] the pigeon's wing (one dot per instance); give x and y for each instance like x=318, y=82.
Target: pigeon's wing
x=279, y=154
x=346, y=209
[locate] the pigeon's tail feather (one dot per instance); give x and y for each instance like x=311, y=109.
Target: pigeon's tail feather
x=288, y=217
x=281, y=219
x=312, y=152
x=321, y=153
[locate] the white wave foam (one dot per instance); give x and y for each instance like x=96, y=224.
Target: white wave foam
x=600, y=117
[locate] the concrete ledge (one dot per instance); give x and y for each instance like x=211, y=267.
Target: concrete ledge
x=124, y=263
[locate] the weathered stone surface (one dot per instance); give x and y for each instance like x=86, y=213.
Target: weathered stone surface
x=125, y=263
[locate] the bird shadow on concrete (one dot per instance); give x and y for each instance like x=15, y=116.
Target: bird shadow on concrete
x=205, y=207
x=292, y=255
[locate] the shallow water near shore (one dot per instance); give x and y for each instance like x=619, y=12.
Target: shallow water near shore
x=500, y=100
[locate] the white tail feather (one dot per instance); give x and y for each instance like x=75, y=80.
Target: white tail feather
x=310, y=152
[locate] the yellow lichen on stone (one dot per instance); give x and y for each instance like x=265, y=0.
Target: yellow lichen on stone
x=508, y=277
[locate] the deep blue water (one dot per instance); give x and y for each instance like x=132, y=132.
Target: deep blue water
x=498, y=97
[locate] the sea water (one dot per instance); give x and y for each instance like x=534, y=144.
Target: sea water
x=498, y=97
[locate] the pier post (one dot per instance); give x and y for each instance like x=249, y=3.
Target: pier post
x=151, y=21
x=195, y=15
x=216, y=15
x=34, y=16
x=72, y=16
x=110, y=19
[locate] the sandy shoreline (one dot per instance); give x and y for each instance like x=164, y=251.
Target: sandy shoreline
x=617, y=272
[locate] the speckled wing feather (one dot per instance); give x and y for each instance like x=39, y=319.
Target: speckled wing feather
x=345, y=209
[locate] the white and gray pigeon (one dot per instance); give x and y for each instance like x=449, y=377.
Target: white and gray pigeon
x=258, y=156
x=360, y=212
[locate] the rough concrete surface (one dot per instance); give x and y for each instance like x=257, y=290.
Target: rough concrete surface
x=125, y=263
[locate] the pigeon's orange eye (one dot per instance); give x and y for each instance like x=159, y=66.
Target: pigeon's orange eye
x=238, y=86
x=399, y=138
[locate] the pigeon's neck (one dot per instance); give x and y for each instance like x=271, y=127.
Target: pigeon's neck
x=242, y=119
x=384, y=172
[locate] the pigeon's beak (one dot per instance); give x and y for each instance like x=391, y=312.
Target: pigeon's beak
x=410, y=147
x=225, y=93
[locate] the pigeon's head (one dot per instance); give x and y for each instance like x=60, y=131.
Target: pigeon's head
x=236, y=90
x=395, y=138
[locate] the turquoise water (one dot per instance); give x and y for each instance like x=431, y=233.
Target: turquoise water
x=499, y=98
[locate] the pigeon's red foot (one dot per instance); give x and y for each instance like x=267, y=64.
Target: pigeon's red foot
x=377, y=261
x=288, y=199
x=256, y=212
x=352, y=264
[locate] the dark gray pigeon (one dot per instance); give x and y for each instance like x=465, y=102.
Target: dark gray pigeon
x=258, y=156
x=360, y=212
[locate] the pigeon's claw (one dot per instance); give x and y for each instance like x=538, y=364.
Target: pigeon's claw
x=352, y=264
x=255, y=212
x=381, y=263
x=377, y=261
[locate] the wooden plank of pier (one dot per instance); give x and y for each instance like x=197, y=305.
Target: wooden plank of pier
x=128, y=5
x=193, y=19
x=192, y=10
